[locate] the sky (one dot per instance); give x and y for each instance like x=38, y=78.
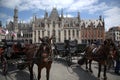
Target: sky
x=89, y=9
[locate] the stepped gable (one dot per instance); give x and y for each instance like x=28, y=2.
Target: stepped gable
x=54, y=15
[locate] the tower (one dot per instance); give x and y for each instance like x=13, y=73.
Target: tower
x=15, y=21
x=78, y=16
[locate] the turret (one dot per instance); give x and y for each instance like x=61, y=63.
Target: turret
x=62, y=14
x=46, y=14
x=100, y=18
x=78, y=16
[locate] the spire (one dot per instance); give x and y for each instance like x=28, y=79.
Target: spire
x=46, y=14
x=15, y=12
x=62, y=13
x=100, y=17
x=54, y=14
x=78, y=16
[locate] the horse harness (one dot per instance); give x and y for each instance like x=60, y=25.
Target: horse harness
x=44, y=52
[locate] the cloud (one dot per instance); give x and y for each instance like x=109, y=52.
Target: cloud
x=111, y=12
x=35, y=4
x=2, y=15
x=81, y=4
x=112, y=17
x=5, y=18
x=9, y=3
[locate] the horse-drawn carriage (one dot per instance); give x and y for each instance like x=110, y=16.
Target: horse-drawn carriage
x=69, y=49
x=11, y=52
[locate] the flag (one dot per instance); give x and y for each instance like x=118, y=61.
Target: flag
x=2, y=31
x=6, y=32
x=21, y=33
x=13, y=34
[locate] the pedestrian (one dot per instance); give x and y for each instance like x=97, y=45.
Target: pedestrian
x=117, y=58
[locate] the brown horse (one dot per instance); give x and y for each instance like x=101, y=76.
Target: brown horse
x=100, y=54
x=41, y=56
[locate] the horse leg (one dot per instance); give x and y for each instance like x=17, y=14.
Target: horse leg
x=104, y=74
x=99, y=69
x=86, y=62
x=48, y=71
x=90, y=69
x=31, y=71
x=39, y=72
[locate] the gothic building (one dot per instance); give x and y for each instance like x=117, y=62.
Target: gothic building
x=62, y=28
x=19, y=28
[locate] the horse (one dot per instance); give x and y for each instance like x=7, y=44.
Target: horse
x=41, y=56
x=99, y=54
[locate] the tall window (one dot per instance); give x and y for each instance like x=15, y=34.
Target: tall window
x=64, y=34
x=54, y=24
x=42, y=33
x=54, y=35
x=69, y=33
x=59, y=35
x=77, y=33
x=73, y=33
x=38, y=33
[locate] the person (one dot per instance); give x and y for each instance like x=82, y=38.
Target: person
x=117, y=59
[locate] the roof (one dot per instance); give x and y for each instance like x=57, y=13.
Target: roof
x=54, y=14
x=115, y=28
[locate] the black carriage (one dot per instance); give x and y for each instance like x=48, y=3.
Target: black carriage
x=12, y=54
x=71, y=48
x=60, y=49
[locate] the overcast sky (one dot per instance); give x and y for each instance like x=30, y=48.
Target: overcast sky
x=89, y=9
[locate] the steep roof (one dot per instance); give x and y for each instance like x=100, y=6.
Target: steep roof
x=54, y=14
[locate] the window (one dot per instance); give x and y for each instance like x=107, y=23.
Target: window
x=54, y=32
x=64, y=34
x=77, y=33
x=59, y=35
x=42, y=33
x=54, y=24
x=38, y=33
x=48, y=33
x=73, y=33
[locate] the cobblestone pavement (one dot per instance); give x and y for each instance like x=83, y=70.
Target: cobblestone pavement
x=59, y=71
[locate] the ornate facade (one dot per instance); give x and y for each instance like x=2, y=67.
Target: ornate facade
x=62, y=28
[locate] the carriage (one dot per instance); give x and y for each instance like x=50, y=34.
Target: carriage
x=69, y=49
x=11, y=52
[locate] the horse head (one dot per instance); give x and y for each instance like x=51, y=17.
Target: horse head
x=109, y=43
x=45, y=50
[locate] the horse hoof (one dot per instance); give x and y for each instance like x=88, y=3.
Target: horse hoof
x=105, y=78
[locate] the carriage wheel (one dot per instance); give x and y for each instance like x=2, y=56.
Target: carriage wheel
x=4, y=65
